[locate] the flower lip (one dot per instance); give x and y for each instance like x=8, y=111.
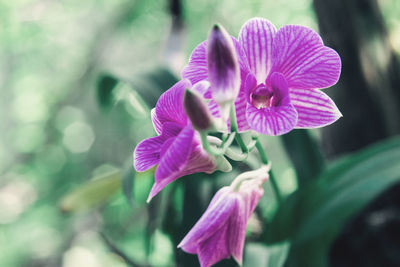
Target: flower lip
x=262, y=97
x=267, y=96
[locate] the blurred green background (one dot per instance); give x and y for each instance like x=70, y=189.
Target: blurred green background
x=78, y=79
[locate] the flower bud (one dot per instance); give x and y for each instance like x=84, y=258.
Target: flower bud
x=223, y=68
x=221, y=230
x=197, y=111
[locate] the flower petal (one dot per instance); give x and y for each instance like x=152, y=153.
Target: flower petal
x=300, y=55
x=237, y=231
x=240, y=108
x=156, y=122
x=214, y=249
x=196, y=69
x=213, y=219
x=314, y=108
x=169, y=106
x=273, y=120
x=147, y=152
x=173, y=160
x=256, y=38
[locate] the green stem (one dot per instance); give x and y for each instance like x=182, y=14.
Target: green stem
x=215, y=151
x=234, y=128
x=274, y=184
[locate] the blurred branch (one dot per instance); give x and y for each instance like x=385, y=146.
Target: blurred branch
x=119, y=252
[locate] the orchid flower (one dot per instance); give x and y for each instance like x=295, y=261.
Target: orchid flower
x=177, y=149
x=221, y=230
x=281, y=73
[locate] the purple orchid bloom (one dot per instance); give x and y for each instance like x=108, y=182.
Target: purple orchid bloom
x=221, y=230
x=281, y=73
x=177, y=149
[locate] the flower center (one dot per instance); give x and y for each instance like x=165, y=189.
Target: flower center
x=263, y=97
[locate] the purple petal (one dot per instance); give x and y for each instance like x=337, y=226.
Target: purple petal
x=173, y=159
x=273, y=120
x=240, y=107
x=256, y=38
x=203, y=88
x=196, y=69
x=300, y=55
x=214, y=249
x=213, y=219
x=314, y=108
x=249, y=85
x=237, y=231
x=147, y=152
x=156, y=122
x=223, y=66
x=199, y=161
x=169, y=106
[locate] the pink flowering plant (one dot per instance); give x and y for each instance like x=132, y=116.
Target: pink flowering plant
x=267, y=81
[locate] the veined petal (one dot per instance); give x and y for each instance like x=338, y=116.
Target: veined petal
x=214, y=218
x=173, y=160
x=300, y=55
x=214, y=249
x=156, y=122
x=169, y=106
x=240, y=108
x=273, y=120
x=196, y=69
x=223, y=66
x=256, y=38
x=314, y=108
x=237, y=231
x=147, y=152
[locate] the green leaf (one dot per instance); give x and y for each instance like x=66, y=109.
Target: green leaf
x=152, y=84
x=305, y=155
x=92, y=194
x=314, y=215
x=267, y=256
x=127, y=183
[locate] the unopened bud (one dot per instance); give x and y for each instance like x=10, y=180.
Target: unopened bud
x=197, y=111
x=223, y=68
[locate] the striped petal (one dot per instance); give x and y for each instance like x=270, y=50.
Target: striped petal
x=272, y=120
x=240, y=108
x=314, y=108
x=300, y=55
x=256, y=38
x=169, y=106
x=196, y=69
x=147, y=152
x=237, y=230
x=156, y=122
x=174, y=156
